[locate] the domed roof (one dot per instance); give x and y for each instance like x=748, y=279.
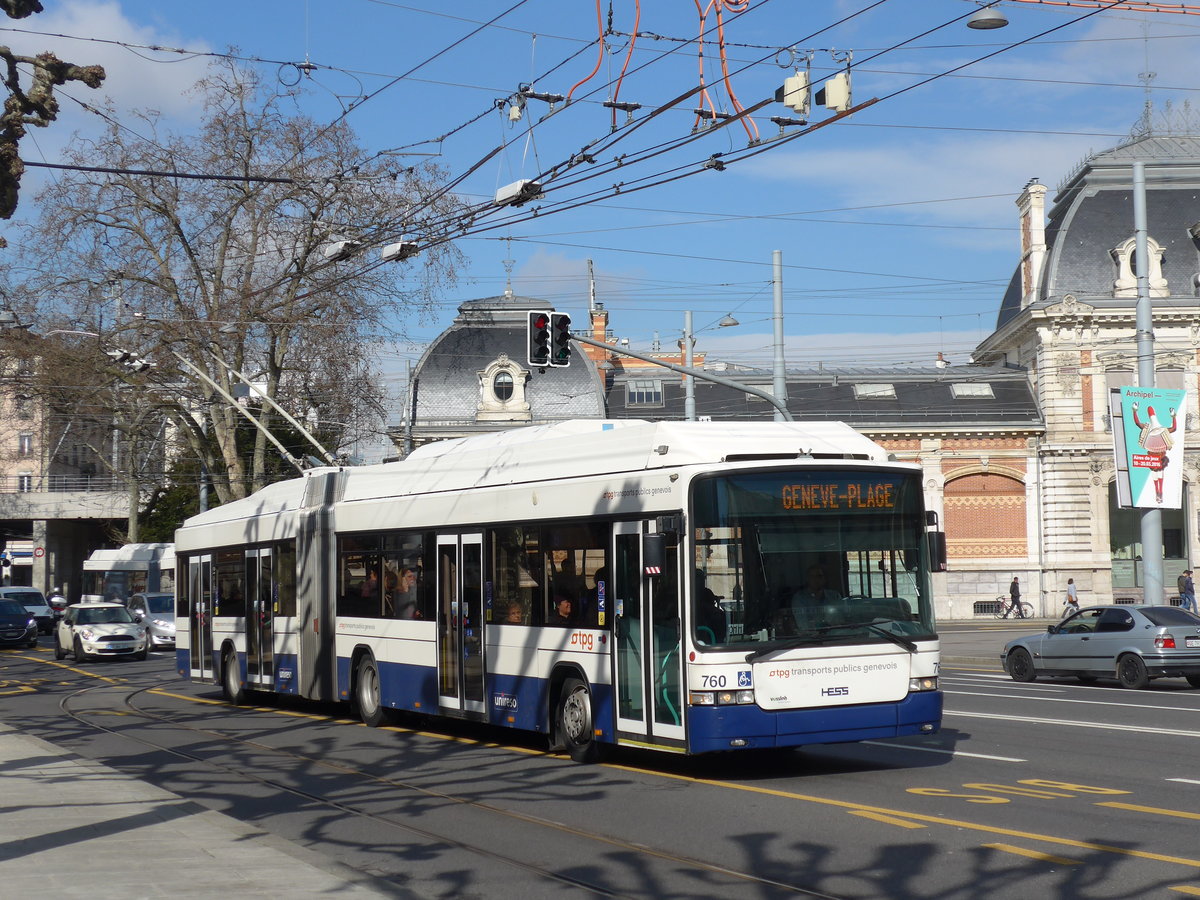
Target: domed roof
x=447, y=376
x=1093, y=216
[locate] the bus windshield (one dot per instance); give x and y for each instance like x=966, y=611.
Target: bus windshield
x=809, y=557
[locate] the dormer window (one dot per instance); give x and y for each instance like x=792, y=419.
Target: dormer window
x=502, y=392
x=1125, y=255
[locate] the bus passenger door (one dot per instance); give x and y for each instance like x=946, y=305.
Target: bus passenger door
x=260, y=613
x=460, y=622
x=649, y=668
x=200, y=616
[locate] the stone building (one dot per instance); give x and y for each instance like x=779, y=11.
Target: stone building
x=1016, y=447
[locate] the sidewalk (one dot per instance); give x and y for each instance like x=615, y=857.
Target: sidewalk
x=73, y=828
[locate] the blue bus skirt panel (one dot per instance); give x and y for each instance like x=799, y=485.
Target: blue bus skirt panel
x=712, y=728
x=401, y=685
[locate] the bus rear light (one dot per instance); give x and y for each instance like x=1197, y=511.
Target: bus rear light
x=923, y=683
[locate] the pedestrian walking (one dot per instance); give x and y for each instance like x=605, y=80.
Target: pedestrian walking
x=1072, y=601
x=1189, y=592
x=1014, y=597
x=1179, y=584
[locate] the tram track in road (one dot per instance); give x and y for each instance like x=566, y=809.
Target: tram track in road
x=609, y=842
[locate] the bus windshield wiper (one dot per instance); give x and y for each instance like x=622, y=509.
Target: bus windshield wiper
x=814, y=635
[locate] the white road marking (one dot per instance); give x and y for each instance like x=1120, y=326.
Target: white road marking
x=1065, y=700
x=1141, y=729
x=946, y=752
x=1185, y=780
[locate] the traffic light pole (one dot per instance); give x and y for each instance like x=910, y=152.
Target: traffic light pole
x=695, y=373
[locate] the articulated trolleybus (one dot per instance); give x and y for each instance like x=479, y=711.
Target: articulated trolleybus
x=689, y=587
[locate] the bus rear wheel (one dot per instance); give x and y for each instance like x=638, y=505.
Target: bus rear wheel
x=231, y=680
x=574, y=722
x=367, y=694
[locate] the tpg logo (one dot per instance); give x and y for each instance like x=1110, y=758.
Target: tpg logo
x=835, y=692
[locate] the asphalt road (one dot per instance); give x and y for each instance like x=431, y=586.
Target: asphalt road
x=1050, y=789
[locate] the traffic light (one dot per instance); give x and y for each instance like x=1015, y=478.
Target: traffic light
x=560, y=338
x=539, y=339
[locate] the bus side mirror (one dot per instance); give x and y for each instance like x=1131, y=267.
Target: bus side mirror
x=935, y=542
x=654, y=547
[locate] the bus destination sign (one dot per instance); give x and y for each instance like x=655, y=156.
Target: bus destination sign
x=842, y=495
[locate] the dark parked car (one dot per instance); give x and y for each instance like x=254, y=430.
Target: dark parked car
x=1130, y=643
x=17, y=626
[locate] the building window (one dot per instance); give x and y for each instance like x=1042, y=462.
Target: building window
x=25, y=444
x=502, y=386
x=25, y=482
x=1125, y=258
x=972, y=389
x=874, y=392
x=644, y=392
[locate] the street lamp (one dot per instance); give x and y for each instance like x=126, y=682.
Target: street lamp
x=689, y=385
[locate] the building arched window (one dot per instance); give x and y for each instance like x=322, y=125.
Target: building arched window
x=985, y=516
x=502, y=385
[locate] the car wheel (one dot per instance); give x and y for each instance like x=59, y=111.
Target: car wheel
x=1193, y=680
x=59, y=652
x=367, y=693
x=574, y=722
x=77, y=651
x=1131, y=672
x=1086, y=679
x=32, y=644
x=231, y=679
x=1020, y=665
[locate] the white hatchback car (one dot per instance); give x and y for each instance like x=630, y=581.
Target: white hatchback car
x=91, y=630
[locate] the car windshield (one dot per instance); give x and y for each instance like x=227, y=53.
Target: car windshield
x=1170, y=615
x=11, y=608
x=27, y=598
x=163, y=603
x=105, y=615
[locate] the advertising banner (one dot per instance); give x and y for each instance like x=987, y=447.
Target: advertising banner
x=1148, y=436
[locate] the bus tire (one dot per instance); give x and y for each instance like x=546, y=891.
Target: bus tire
x=574, y=722
x=231, y=679
x=367, y=694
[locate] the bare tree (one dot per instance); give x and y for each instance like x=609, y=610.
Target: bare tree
x=32, y=105
x=235, y=264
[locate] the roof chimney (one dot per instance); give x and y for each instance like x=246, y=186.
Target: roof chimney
x=1032, y=206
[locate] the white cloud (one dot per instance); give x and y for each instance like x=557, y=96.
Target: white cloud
x=134, y=78
x=848, y=349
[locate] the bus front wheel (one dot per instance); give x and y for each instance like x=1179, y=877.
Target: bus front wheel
x=574, y=719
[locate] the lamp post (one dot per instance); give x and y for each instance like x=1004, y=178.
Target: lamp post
x=689, y=386
x=778, y=368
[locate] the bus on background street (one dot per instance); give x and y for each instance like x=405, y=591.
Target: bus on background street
x=119, y=573
x=689, y=587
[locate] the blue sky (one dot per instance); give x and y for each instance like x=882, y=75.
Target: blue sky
x=897, y=225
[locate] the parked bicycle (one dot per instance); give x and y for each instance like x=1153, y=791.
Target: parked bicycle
x=1005, y=608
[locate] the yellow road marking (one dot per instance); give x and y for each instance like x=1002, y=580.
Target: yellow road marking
x=1187, y=889
x=886, y=820
x=74, y=668
x=1153, y=810
x=1034, y=854
x=855, y=808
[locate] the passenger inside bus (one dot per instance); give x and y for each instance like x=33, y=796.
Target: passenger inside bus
x=560, y=611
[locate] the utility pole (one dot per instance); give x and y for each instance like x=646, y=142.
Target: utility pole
x=1152, y=535
x=778, y=368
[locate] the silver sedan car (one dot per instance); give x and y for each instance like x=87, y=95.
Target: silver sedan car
x=157, y=613
x=1130, y=643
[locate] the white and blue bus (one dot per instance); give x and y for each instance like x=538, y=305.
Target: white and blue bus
x=689, y=587
x=117, y=574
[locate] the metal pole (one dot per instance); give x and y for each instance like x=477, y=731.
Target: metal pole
x=1152, y=535
x=689, y=386
x=778, y=367
x=695, y=373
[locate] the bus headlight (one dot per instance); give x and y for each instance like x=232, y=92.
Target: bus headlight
x=922, y=683
x=720, y=698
